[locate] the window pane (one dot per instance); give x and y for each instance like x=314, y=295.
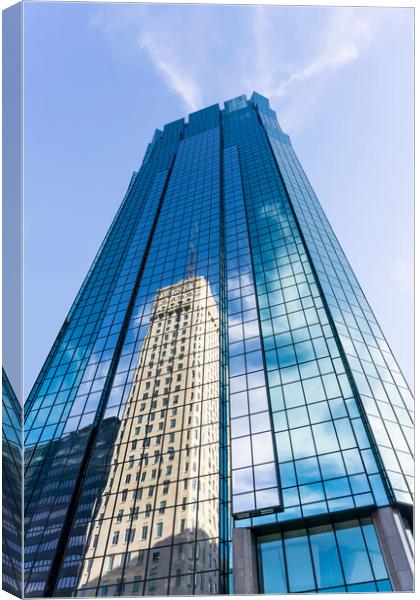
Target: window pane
x=265, y=476
x=374, y=551
x=299, y=563
x=262, y=448
x=241, y=452
x=242, y=481
x=353, y=553
x=302, y=442
x=271, y=559
x=325, y=437
x=325, y=555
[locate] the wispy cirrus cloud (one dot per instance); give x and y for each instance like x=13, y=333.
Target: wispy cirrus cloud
x=147, y=33
x=203, y=53
x=172, y=69
x=325, y=42
x=345, y=35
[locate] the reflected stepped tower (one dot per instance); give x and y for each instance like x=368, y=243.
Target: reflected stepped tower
x=161, y=531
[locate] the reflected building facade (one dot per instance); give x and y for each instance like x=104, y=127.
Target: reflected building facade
x=220, y=408
x=54, y=488
x=159, y=534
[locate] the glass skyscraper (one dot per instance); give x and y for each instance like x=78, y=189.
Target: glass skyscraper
x=220, y=412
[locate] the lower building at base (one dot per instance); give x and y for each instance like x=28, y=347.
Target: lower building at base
x=349, y=553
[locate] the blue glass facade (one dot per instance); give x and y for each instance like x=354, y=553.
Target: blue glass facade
x=219, y=369
x=316, y=422
x=378, y=384
x=12, y=551
x=341, y=557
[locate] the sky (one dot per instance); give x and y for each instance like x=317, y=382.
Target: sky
x=100, y=78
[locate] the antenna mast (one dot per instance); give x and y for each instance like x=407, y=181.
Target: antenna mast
x=192, y=257
x=192, y=260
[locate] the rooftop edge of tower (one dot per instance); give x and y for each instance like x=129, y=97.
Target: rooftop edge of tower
x=211, y=112
x=207, y=118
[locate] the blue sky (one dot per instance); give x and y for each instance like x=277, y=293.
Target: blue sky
x=99, y=78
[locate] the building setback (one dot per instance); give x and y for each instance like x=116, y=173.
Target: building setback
x=220, y=410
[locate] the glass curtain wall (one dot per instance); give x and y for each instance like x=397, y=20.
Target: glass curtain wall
x=219, y=368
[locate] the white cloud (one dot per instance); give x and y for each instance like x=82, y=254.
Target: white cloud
x=324, y=42
x=346, y=35
x=261, y=72
x=175, y=74
x=137, y=32
x=199, y=54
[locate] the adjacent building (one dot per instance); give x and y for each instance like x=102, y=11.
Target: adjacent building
x=220, y=409
x=12, y=551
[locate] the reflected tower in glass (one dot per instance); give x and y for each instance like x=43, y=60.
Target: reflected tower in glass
x=220, y=411
x=159, y=512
